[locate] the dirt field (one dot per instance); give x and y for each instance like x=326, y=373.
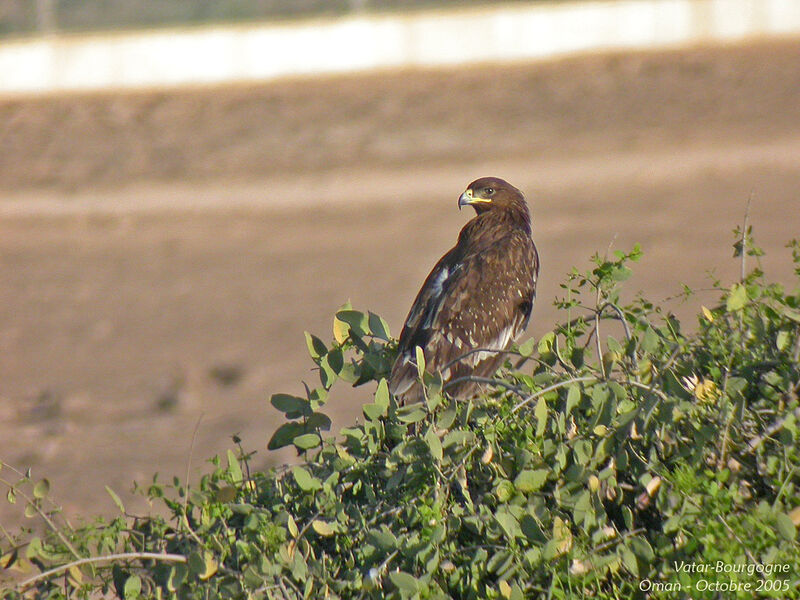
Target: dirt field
x=150, y=241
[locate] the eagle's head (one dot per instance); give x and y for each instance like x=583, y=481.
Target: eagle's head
x=491, y=193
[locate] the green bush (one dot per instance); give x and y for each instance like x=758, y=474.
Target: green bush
x=620, y=456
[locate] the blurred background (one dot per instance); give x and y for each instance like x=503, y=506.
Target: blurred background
x=166, y=236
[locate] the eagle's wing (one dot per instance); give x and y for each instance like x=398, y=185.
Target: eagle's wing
x=468, y=302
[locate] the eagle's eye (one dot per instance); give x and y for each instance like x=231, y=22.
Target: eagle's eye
x=488, y=191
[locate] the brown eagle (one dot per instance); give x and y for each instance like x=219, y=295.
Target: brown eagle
x=476, y=300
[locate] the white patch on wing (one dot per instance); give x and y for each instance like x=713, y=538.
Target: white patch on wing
x=499, y=343
x=437, y=295
x=438, y=282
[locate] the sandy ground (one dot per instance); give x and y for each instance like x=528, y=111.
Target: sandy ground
x=150, y=240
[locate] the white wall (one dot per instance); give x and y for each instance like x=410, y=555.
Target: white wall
x=265, y=51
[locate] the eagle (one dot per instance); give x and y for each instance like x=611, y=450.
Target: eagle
x=476, y=300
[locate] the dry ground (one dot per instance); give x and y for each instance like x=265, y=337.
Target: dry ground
x=150, y=241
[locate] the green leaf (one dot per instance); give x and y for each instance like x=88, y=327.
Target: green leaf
x=34, y=548
x=133, y=587
x=41, y=489
x=790, y=313
x=526, y=348
x=177, y=575
x=420, y=355
x=411, y=414
x=782, y=340
x=614, y=345
x=331, y=365
x=627, y=516
x=291, y=525
x=582, y=451
x=629, y=561
x=434, y=445
x=531, y=480
x=540, y=412
x=516, y=593
x=378, y=327
x=351, y=373
x=504, y=490
x=285, y=435
x=383, y=539
x=341, y=330
x=447, y=417
x=357, y=321
x=292, y=406
x=210, y=566
x=196, y=563
x=372, y=412
x=382, y=398
x=404, y=582
x=307, y=441
x=226, y=494
x=234, y=469
x=322, y=528
x=642, y=549
x=305, y=480
x=551, y=549
x=318, y=421
x=499, y=562
x=434, y=400
x=785, y=526
x=583, y=512
x=316, y=347
x=545, y=344
x=620, y=273
x=116, y=500
x=327, y=376
x=573, y=398
x=650, y=340
x=458, y=437
x=530, y=527
x=509, y=523
x=737, y=298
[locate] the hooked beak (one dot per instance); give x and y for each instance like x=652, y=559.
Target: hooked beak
x=465, y=199
x=468, y=199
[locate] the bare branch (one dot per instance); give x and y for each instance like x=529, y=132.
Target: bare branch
x=185, y=516
x=475, y=351
x=774, y=428
x=179, y=558
x=620, y=317
x=597, y=338
x=650, y=388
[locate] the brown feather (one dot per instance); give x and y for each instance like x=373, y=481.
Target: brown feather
x=478, y=296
